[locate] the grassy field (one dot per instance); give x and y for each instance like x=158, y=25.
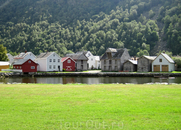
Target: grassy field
x=90, y=107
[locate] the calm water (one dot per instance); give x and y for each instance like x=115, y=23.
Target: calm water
x=91, y=80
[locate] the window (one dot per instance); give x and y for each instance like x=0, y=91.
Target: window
x=50, y=66
x=91, y=59
x=81, y=61
x=160, y=60
x=29, y=61
x=54, y=67
x=110, y=61
x=68, y=61
x=50, y=60
x=17, y=67
x=53, y=60
x=58, y=60
x=20, y=67
x=115, y=61
x=32, y=67
x=104, y=61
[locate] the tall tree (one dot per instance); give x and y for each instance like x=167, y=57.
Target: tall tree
x=3, y=52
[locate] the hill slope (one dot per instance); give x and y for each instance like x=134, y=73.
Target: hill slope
x=67, y=26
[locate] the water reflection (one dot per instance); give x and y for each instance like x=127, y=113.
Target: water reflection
x=90, y=80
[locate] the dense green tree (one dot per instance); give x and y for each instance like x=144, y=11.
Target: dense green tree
x=3, y=52
x=72, y=25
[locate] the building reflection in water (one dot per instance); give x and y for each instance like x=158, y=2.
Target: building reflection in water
x=90, y=80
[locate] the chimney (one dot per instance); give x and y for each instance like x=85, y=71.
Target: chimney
x=134, y=57
x=25, y=51
x=163, y=52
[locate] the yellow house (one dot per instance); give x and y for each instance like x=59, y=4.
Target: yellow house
x=4, y=65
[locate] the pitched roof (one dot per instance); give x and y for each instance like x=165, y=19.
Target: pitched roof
x=22, y=55
x=148, y=57
x=116, y=53
x=119, y=53
x=20, y=62
x=79, y=56
x=133, y=62
x=65, y=58
x=111, y=50
x=167, y=57
x=44, y=55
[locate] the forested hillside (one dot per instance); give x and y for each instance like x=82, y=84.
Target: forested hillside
x=66, y=26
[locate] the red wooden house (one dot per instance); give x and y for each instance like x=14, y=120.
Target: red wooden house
x=68, y=64
x=26, y=65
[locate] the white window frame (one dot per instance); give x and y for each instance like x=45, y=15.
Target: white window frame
x=68, y=61
x=32, y=67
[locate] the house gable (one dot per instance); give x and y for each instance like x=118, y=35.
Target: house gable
x=49, y=61
x=163, y=61
x=82, y=57
x=66, y=58
x=27, y=65
x=68, y=64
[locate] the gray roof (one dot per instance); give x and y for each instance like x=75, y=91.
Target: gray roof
x=149, y=57
x=167, y=57
x=116, y=53
x=133, y=62
x=44, y=55
x=20, y=61
x=111, y=50
x=22, y=55
x=79, y=56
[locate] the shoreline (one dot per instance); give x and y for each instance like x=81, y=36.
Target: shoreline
x=90, y=74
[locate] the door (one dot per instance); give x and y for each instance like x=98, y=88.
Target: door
x=156, y=68
x=58, y=68
x=165, y=68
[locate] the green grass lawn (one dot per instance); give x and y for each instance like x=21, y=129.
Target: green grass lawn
x=90, y=107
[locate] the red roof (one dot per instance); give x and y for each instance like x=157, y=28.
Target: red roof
x=65, y=58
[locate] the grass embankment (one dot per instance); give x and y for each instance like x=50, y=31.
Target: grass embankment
x=82, y=107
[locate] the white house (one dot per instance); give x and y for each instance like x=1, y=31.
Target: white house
x=163, y=63
x=25, y=55
x=97, y=62
x=91, y=59
x=49, y=61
